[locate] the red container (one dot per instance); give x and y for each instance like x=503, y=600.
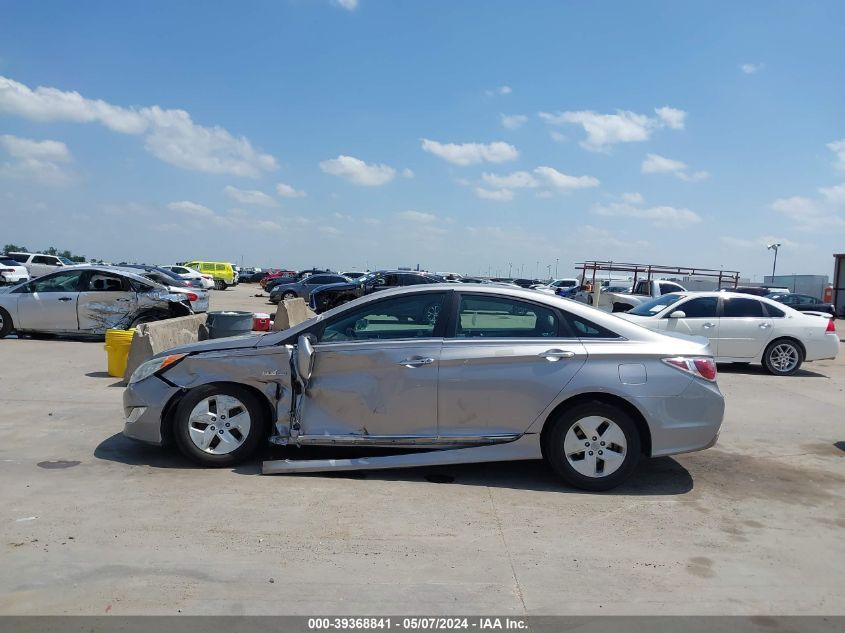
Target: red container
x=260, y=322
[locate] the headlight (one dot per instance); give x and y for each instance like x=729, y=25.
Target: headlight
x=145, y=370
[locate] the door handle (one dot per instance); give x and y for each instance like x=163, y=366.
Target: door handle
x=764, y=326
x=121, y=299
x=556, y=354
x=65, y=299
x=416, y=362
x=707, y=326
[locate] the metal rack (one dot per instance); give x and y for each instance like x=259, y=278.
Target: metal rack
x=725, y=277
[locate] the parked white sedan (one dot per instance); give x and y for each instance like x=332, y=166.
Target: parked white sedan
x=742, y=328
x=184, y=272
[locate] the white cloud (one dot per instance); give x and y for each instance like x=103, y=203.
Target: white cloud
x=656, y=164
x=267, y=225
x=471, y=153
x=750, y=69
x=408, y=173
x=606, y=130
x=191, y=208
x=598, y=237
x=838, y=148
x=250, y=196
x=417, y=216
x=515, y=180
x=358, y=172
x=808, y=214
x=558, y=180
x=834, y=195
x=349, y=5
x=671, y=117
x=170, y=135
x=633, y=197
x=286, y=191
x=40, y=161
x=513, y=121
x=557, y=137
x=501, y=90
x=660, y=216
x=329, y=230
x=500, y=195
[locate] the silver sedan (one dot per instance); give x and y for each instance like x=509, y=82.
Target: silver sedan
x=499, y=374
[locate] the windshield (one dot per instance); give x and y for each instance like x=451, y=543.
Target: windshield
x=66, y=261
x=650, y=308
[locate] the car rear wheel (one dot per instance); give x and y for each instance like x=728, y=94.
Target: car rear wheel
x=218, y=425
x=5, y=323
x=783, y=357
x=593, y=446
x=219, y=284
x=288, y=294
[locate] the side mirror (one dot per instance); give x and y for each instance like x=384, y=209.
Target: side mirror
x=678, y=314
x=304, y=358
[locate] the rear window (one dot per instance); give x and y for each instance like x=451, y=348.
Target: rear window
x=737, y=307
x=7, y=261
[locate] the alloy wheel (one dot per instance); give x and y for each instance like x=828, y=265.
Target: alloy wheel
x=219, y=424
x=784, y=357
x=595, y=446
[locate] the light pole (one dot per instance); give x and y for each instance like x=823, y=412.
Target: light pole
x=510, y=266
x=774, y=247
x=557, y=261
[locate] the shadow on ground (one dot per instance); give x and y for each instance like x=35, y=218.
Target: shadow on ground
x=759, y=370
x=661, y=476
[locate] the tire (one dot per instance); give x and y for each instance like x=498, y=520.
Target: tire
x=5, y=323
x=783, y=357
x=288, y=294
x=194, y=422
x=219, y=284
x=597, y=420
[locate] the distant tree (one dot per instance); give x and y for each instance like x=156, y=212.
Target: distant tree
x=14, y=248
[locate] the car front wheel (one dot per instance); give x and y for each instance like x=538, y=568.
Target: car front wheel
x=5, y=323
x=593, y=446
x=218, y=425
x=783, y=357
x=288, y=295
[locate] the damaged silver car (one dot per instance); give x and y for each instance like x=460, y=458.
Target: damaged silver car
x=86, y=300
x=444, y=375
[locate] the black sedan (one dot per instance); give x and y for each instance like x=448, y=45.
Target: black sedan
x=803, y=303
x=327, y=297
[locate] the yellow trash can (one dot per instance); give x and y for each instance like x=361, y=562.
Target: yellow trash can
x=117, y=347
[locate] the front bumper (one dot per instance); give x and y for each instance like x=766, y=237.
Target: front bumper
x=688, y=422
x=143, y=408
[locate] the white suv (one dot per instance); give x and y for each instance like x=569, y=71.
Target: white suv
x=38, y=264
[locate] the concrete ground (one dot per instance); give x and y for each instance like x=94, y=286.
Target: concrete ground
x=91, y=523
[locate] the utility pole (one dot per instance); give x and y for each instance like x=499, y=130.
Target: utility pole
x=774, y=247
x=510, y=266
x=557, y=261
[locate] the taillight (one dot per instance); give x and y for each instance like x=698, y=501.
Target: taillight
x=830, y=327
x=703, y=367
x=192, y=297
x=7, y=270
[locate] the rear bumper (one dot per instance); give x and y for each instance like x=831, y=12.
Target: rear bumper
x=688, y=422
x=824, y=348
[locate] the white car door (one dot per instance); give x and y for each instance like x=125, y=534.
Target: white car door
x=106, y=301
x=701, y=319
x=48, y=304
x=744, y=328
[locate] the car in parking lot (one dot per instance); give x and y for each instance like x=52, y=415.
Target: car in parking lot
x=12, y=271
x=742, y=328
x=329, y=296
x=38, y=264
x=498, y=374
x=204, y=279
x=191, y=288
x=86, y=300
x=303, y=287
x=223, y=273
x=803, y=303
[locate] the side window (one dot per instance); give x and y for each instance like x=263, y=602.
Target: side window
x=583, y=328
x=737, y=308
x=806, y=300
x=317, y=280
x=209, y=268
x=20, y=258
x=390, y=280
x=666, y=288
x=103, y=282
x=40, y=259
x=774, y=312
x=220, y=267
x=60, y=282
x=54, y=261
x=410, y=280
x=700, y=308
x=413, y=316
x=501, y=317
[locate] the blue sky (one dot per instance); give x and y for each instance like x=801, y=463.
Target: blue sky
x=461, y=136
